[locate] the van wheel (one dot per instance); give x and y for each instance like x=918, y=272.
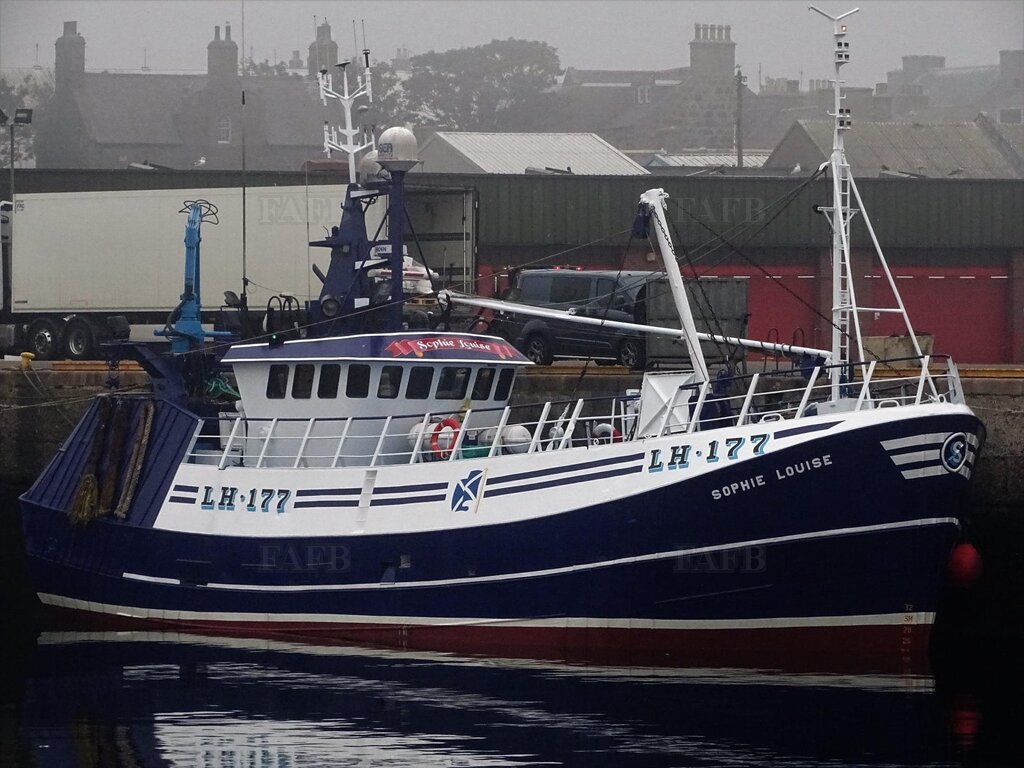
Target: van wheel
x=79, y=340
x=631, y=354
x=43, y=339
x=538, y=350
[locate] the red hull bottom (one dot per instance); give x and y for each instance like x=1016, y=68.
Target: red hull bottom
x=857, y=649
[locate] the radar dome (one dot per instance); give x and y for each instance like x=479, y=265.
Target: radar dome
x=397, y=149
x=369, y=168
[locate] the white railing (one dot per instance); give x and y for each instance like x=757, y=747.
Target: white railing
x=724, y=402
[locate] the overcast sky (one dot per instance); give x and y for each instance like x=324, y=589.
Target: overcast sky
x=781, y=37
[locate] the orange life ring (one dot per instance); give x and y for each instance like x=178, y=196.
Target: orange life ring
x=452, y=423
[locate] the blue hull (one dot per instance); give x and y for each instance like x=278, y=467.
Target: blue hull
x=666, y=575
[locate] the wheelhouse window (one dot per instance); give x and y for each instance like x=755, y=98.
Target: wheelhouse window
x=302, y=382
x=277, y=382
x=390, y=382
x=330, y=375
x=358, y=382
x=483, y=383
x=504, y=388
x=420, y=380
x=453, y=383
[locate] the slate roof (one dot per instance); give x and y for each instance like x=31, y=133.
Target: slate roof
x=956, y=150
x=121, y=108
x=513, y=153
x=294, y=114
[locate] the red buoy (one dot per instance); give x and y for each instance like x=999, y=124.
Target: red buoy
x=964, y=566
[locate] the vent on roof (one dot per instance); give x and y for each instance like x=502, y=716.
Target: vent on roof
x=548, y=170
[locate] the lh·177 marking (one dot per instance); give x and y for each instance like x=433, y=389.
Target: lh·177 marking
x=228, y=498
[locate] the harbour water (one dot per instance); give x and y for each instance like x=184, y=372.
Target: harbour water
x=155, y=699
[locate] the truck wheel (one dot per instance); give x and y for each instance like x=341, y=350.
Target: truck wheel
x=79, y=340
x=631, y=354
x=44, y=339
x=538, y=350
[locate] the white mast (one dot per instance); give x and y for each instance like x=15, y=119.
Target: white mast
x=844, y=300
x=845, y=312
x=349, y=132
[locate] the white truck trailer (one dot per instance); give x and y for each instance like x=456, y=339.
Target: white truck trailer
x=80, y=258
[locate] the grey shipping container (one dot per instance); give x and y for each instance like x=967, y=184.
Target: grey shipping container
x=719, y=306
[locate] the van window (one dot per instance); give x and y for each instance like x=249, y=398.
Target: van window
x=612, y=294
x=570, y=289
x=330, y=375
x=535, y=289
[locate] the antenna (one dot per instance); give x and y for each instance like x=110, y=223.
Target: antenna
x=316, y=44
x=245, y=274
x=348, y=143
x=145, y=67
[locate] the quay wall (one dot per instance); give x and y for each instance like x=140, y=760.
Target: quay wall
x=40, y=406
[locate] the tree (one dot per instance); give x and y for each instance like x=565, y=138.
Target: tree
x=250, y=67
x=34, y=92
x=485, y=88
x=388, y=106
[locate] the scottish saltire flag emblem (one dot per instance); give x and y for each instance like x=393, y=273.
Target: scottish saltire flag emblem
x=467, y=490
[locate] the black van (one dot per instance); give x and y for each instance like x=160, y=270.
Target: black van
x=603, y=294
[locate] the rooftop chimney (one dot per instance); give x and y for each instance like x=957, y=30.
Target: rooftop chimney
x=69, y=60
x=712, y=51
x=222, y=55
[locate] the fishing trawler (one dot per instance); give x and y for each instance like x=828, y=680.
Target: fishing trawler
x=374, y=483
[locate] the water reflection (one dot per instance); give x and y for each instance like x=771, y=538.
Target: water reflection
x=155, y=699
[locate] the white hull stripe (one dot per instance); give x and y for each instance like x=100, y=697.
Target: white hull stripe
x=925, y=452
x=832, y=533
x=931, y=438
x=572, y=622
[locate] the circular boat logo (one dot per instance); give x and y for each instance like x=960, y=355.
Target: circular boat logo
x=954, y=452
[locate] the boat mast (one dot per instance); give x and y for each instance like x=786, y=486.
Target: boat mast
x=845, y=310
x=844, y=302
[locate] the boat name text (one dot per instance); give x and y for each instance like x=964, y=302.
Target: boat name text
x=781, y=473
